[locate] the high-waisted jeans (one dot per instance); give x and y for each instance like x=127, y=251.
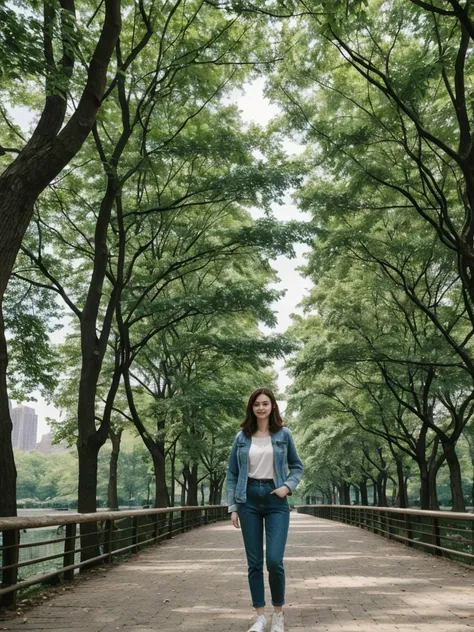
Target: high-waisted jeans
x=264, y=507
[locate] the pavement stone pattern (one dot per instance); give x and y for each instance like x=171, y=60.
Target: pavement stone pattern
x=339, y=579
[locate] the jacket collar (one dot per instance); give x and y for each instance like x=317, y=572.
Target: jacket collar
x=275, y=437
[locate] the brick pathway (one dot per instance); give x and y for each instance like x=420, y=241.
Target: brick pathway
x=340, y=579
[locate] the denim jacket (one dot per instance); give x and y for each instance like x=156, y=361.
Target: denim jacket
x=285, y=457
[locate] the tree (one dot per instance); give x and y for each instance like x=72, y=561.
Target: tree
x=32, y=316
x=174, y=356
x=49, y=149
x=379, y=359
x=166, y=149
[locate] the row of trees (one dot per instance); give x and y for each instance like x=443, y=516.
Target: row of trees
x=380, y=93
x=51, y=479
x=138, y=235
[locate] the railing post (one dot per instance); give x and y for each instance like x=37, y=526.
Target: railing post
x=10, y=539
x=156, y=527
x=182, y=521
x=135, y=523
x=69, y=548
x=162, y=526
x=108, y=535
x=170, y=526
x=436, y=537
x=408, y=529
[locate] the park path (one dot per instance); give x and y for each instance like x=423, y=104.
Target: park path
x=339, y=579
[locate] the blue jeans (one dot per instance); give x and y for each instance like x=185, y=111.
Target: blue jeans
x=262, y=506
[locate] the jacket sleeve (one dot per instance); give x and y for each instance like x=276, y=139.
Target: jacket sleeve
x=295, y=465
x=232, y=476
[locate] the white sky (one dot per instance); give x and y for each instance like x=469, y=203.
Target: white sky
x=255, y=108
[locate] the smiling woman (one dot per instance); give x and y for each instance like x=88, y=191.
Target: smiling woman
x=264, y=468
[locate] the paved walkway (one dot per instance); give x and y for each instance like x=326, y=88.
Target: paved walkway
x=340, y=579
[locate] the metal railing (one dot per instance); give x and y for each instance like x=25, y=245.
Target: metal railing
x=119, y=533
x=442, y=533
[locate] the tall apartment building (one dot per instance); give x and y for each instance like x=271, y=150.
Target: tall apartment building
x=25, y=428
x=46, y=447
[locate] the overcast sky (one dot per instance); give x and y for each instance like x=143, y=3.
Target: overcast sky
x=254, y=108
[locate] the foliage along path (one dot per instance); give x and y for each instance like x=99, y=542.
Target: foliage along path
x=339, y=577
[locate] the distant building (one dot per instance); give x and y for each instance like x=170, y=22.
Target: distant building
x=46, y=447
x=25, y=428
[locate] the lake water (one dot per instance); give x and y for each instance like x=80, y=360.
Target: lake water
x=43, y=534
x=46, y=546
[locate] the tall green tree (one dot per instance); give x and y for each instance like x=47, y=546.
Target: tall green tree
x=56, y=138
x=377, y=358
x=165, y=146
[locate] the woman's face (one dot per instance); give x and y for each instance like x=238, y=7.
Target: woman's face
x=262, y=407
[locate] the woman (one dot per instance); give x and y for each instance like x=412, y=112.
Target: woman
x=258, y=483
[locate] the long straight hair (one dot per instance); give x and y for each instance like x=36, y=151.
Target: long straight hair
x=250, y=426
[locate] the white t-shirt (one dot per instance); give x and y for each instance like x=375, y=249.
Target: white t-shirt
x=261, y=458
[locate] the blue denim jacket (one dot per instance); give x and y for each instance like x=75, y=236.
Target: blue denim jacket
x=285, y=457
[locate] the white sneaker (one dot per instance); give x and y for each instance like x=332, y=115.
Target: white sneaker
x=259, y=624
x=278, y=623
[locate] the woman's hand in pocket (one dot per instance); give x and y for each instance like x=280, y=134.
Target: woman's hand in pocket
x=235, y=520
x=282, y=491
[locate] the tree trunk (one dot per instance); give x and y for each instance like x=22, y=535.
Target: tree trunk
x=173, y=477
x=424, y=486
x=346, y=493
x=218, y=497
x=213, y=489
x=115, y=438
x=93, y=349
x=394, y=500
x=190, y=475
x=7, y=461
x=432, y=488
x=89, y=443
x=402, y=489
x=364, y=492
x=88, y=452
x=468, y=435
x=356, y=495
x=159, y=465
x=216, y=485
x=375, y=499
x=155, y=448
x=380, y=483
x=455, y=480
x=433, y=466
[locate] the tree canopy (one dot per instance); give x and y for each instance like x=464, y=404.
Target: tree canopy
x=128, y=210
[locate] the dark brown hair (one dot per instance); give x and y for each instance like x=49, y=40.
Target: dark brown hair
x=249, y=425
